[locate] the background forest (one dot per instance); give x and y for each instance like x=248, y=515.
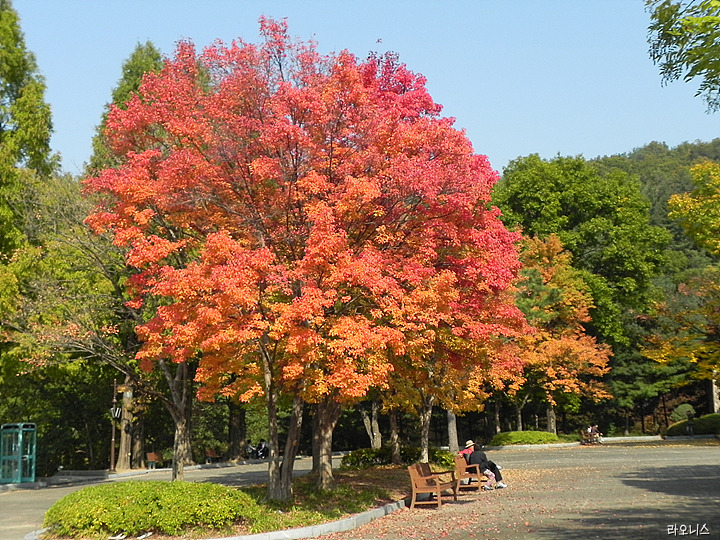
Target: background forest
x=623, y=304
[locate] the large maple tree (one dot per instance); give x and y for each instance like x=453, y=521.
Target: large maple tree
x=288, y=213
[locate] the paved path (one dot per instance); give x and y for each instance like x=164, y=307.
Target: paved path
x=633, y=491
x=576, y=493
x=22, y=510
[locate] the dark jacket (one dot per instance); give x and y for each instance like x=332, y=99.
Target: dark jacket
x=478, y=457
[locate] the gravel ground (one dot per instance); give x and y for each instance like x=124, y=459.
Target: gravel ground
x=612, y=491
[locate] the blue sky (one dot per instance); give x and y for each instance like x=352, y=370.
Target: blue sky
x=569, y=77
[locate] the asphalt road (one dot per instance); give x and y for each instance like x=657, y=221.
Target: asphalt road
x=22, y=510
x=614, y=491
x=628, y=491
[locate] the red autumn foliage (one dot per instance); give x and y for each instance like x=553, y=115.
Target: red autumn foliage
x=300, y=219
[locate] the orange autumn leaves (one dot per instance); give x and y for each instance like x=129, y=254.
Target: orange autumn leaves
x=305, y=220
x=559, y=356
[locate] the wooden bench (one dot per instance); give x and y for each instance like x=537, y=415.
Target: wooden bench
x=463, y=471
x=425, y=481
x=153, y=458
x=211, y=456
x=589, y=438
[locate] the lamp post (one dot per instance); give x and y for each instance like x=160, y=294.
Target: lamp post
x=114, y=411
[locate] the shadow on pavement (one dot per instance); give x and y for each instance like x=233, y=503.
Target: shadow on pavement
x=693, y=501
x=636, y=523
x=696, y=481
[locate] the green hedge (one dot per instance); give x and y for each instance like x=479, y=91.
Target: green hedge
x=138, y=507
x=681, y=411
x=703, y=425
x=371, y=457
x=523, y=437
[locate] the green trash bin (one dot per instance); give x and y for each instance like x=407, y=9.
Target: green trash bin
x=18, y=444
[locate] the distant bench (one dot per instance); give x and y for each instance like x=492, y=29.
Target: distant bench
x=590, y=438
x=154, y=458
x=211, y=456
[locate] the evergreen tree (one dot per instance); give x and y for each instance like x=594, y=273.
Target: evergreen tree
x=144, y=59
x=25, y=126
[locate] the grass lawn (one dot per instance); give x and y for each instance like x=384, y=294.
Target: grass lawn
x=357, y=491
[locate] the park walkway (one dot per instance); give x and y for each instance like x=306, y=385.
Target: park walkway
x=630, y=490
x=615, y=491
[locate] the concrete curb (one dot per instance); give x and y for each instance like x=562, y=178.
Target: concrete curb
x=312, y=531
x=606, y=440
x=690, y=438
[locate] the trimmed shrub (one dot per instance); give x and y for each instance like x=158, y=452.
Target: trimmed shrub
x=364, y=458
x=704, y=425
x=523, y=437
x=138, y=507
x=681, y=411
x=441, y=457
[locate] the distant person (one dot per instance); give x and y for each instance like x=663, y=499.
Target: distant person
x=262, y=449
x=488, y=468
x=595, y=434
x=465, y=452
x=249, y=449
x=690, y=426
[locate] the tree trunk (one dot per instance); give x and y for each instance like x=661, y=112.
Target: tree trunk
x=328, y=413
x=642, y=418
x=714, y=392
x=518, y=412
x=89, y=446
x=518, y=417
x=181, y=449
x=138, y=442
x=496, y=416
x=237, y=430
x=189, y=403
x=551, y=418
x=394, y=437
x=126, y=420
x=315, y=442
x=179, y=383
x=425, y=415
x=375, y=422
x=281, y=488
x=453, y=444
x=275, y=491
x=370, y=421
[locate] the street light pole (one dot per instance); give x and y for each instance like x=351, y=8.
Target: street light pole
x=112, y=420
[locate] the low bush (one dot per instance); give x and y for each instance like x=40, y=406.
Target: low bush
x=372, y=457
x=441, y=457
x=137, y=507
x=197, y=510
x=703, y=425
x=681, y=412
x=523, y=437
